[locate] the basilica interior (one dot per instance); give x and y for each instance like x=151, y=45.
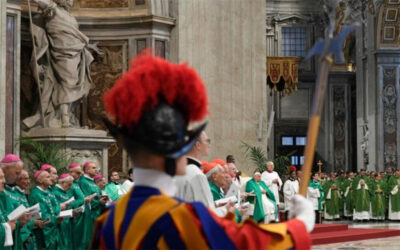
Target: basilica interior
x=259, y=85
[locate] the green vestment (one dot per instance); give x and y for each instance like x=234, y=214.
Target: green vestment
x=92, y=209
x=317, y=185
x=253, y=187
x=19, y=235
x=361, y=197
x=348, y=200
x=341, y=183
x=49, y=236
x=78, y=220
x=7, y=205
x=111, y=190
x=26, y=236
x=378, y=203
x=332, y=199
x=395, y=199
x=65, y=226
x=216, y=191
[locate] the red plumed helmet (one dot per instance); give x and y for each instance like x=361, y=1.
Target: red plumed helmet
x=148, y=80
x=151, y=106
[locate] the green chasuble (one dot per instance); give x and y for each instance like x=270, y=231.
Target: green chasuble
x=49, y=236
x=65, y=226
x=317, y=185
x=256, y=188
x=78, y=220
x=216, y=191
x=26, y=237
x=378, y=203
x=92, y=209
x=332, y=203
x=112, y=190
x=348, y=200
x=340, y=183
x=395, y=199
x=361, y=197
x=7, y=205
x=14, y=199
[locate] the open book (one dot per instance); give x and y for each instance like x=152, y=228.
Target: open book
x=224, y=201
x=65, y=214
x=68, y=201
x=80, y=209
x=33, y=212
x=17, y=213
x=92, y=195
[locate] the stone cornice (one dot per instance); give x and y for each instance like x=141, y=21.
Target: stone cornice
x=124, y=20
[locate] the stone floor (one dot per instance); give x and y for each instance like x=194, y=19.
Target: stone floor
x=381, y=243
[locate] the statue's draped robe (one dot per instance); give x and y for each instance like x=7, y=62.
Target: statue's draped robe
x=63, y=61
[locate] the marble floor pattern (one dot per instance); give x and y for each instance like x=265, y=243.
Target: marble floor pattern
x=381, y=243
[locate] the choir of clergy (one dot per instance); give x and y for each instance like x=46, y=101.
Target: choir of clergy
x=58, y=212
x=70, y=203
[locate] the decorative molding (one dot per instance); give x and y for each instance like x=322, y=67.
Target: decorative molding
x=389, y=116
x=388, y=28
x=339, y=123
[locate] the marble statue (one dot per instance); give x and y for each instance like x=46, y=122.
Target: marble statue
x=364, y=143
x=63, y=57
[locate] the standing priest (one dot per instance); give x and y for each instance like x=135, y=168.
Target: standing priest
x=394, y=196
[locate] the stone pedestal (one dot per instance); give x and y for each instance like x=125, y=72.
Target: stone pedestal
x=83, y=144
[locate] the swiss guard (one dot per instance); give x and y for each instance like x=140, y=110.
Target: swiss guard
x=149, y=110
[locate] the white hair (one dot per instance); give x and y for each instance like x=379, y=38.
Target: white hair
x=270, y=162
x=69, y=178
x=213, y=171
x=257, y=173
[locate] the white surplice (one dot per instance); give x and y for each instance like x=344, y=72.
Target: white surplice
x=290, y=189
x=193, y=186
x=268, y=178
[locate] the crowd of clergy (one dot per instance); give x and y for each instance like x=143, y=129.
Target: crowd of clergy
x=56, y=211
x=362, y=196
x=69, y=203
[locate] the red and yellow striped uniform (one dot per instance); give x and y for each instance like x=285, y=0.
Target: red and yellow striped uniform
x=148, y=219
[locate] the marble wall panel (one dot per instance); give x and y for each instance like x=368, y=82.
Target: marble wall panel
x=105, y=70
x=339, y=102
x=389, y=104
x=10, y=79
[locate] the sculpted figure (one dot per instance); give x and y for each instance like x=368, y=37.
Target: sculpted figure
x=62, y=61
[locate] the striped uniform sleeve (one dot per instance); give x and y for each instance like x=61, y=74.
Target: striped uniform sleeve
x=249, y=235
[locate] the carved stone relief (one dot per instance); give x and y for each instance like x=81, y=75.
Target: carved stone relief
x=388, y=27
x=389, y=101
x=103, y=3
x=339, y=127
x=105, y=71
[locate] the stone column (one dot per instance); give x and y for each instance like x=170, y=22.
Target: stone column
x=3, y=18
x=388, y=109
x=225, y=41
